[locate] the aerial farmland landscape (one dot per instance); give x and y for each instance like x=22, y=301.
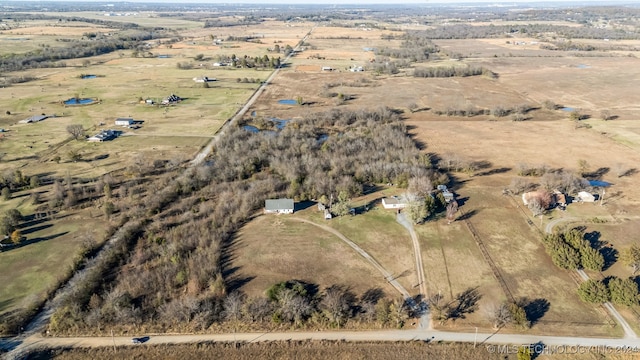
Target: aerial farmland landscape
x=311, y=181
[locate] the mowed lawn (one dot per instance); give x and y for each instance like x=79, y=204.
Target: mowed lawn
x=29, y=271
x=274, y=248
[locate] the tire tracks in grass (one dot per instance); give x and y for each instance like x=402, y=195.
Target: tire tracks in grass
x=387, y=275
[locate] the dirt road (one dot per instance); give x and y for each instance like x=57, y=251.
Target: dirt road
x=199, y=158
x=485, y=341
x=425, y=319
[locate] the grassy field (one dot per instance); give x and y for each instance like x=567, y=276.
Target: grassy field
x=310, y=350
x=526, y=268
x=29, y=271
x=274, y=248
x=271, y=249
x=384, y=239
x=453, y=263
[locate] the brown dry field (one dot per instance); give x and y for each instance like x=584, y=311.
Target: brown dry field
x=273, y=248
x=589, y=84
x=299, y=350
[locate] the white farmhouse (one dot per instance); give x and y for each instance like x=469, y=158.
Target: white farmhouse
x=394, y=202
x=278, y=206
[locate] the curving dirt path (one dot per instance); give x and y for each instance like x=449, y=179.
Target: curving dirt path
x=425, y=319
x=387, y=275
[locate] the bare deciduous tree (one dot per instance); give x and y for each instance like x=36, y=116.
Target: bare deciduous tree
x=76, y=130
x=420, y=186
x=337, y=303
x=233, y=304
x=499, y=315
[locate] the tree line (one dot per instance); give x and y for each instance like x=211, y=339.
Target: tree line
x=451, y=71
x=54, y=56
x=465, y=31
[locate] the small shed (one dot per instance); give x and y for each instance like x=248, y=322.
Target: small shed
x=278, y=206
x=124, y=121
x=448, y=196
x=586, y=197
x=33, y=119
x=394, y=202
x=204, y=79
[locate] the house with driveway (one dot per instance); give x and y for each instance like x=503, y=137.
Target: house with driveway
x=394, y=202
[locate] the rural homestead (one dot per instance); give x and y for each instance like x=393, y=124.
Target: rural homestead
x=361, y=180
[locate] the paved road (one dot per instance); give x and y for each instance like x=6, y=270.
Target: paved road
x=628, y=331
x=387, y=275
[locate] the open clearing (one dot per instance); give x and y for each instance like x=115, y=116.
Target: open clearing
x=29, y=271
x=272, y=248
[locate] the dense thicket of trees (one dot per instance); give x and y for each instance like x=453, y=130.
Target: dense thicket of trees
x=569, y=250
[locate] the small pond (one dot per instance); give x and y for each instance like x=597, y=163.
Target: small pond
x=287, y=102
x=251, y=128
x=76, y=101
x=599, y=183
x=88, y=76
x=568, y=109
x=280, y=123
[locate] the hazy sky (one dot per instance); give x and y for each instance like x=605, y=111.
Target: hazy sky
x=353, y=2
